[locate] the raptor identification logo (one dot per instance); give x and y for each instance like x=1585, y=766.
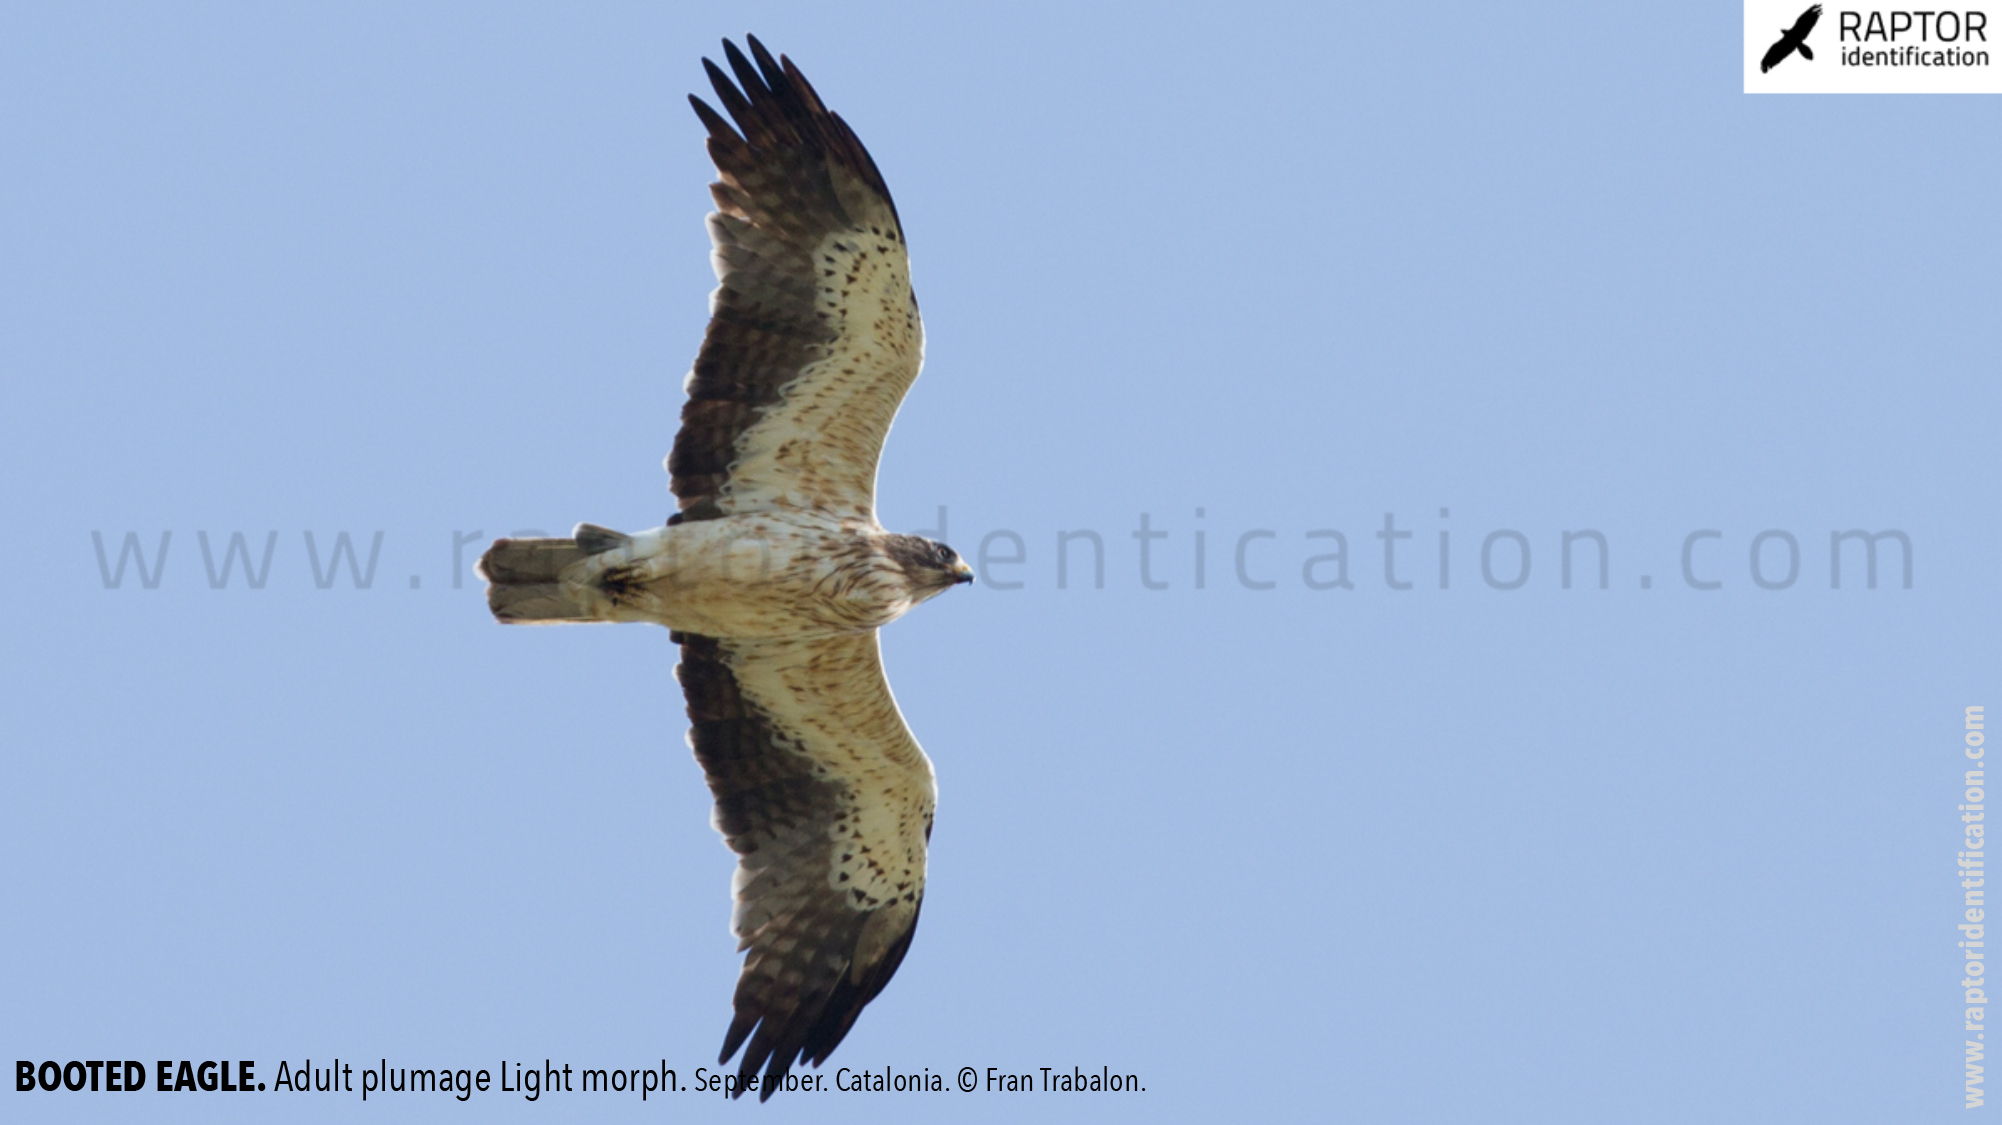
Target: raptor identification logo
x=1795, y=47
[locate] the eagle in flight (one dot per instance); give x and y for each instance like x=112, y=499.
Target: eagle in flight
x=1792, y=39
x=775, y=575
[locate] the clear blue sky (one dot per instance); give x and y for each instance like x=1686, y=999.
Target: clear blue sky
x=1646, y=853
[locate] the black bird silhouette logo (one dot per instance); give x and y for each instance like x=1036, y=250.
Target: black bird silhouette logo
x=1791, y=40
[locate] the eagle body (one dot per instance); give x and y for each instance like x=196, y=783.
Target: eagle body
x=757, y=575
x=774, y=574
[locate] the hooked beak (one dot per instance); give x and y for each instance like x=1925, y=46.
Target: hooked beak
x=962, y=574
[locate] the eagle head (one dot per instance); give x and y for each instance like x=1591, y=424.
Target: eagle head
x=929, y=566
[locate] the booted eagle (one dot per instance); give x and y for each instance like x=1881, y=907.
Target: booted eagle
x=774, y=575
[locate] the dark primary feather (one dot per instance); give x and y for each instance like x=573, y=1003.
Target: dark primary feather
x=789, y=173
x=814, y=960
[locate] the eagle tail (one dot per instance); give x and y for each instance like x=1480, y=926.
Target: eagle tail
x=525, y=576
x=1805, y=53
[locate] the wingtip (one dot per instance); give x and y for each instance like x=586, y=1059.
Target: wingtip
x=769, y=67
x=740, y=1030
x=715, y=122
x=747, y=74
x=715, y=73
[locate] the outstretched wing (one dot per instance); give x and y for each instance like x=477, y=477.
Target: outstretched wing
x=1775, y=53
x=813, y=334
x=1805, y=23
x=827, y=801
